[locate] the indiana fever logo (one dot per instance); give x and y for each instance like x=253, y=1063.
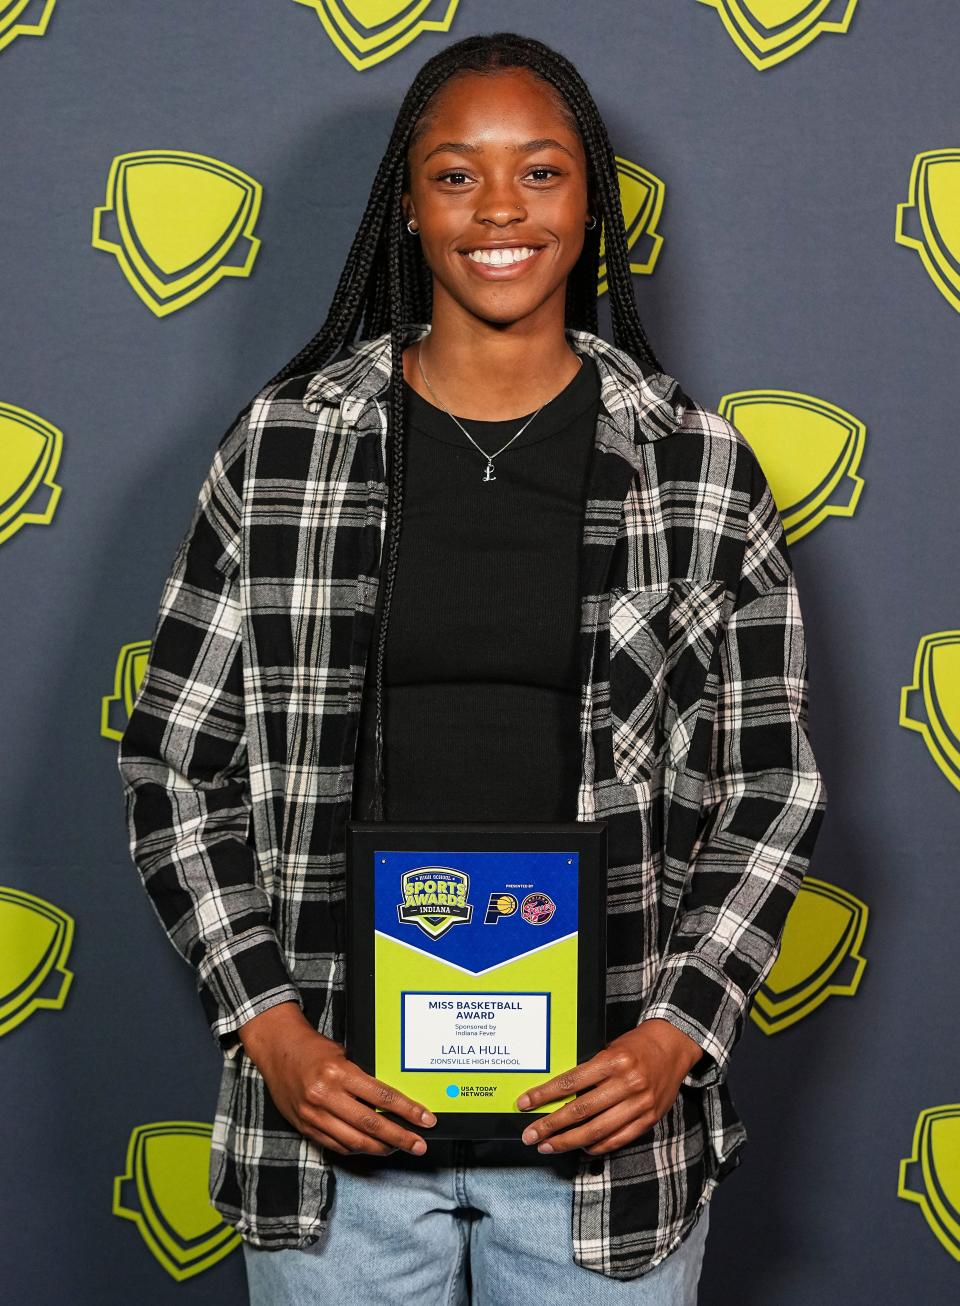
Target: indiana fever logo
x=435, y=898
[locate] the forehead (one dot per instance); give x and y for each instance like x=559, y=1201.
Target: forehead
x=511, y=103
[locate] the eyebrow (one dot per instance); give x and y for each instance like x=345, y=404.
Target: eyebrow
x=527, y=147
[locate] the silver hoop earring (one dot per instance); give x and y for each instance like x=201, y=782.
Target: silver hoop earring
x=592, y=223
x=410, y=227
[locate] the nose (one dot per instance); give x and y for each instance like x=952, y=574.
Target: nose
x=500, y=201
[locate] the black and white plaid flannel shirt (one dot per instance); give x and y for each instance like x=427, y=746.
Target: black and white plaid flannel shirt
x=237, y=762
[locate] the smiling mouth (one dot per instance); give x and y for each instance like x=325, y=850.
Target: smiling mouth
x=503, y=256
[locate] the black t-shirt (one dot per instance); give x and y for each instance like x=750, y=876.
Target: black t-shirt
x=481, y=666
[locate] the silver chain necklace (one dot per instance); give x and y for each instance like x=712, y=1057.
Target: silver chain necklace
x=488, y=474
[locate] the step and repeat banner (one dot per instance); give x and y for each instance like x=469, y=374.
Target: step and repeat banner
x=180, y=184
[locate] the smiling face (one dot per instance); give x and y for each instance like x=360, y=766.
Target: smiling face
x=498, y=190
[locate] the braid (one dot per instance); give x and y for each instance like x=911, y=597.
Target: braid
x=396, y=435
x=386, y=285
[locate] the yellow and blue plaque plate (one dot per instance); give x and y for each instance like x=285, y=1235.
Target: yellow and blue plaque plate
x=475, y=962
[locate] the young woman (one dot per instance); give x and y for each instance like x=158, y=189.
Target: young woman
x=591, y=574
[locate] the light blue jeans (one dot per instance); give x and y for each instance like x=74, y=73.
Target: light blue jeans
x=448, y=1235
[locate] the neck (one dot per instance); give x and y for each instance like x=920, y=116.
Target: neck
x=487, y=371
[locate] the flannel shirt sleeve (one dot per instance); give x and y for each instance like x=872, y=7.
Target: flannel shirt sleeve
x=183, y=763
x=763, y=805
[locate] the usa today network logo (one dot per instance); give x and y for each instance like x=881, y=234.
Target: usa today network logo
x=470, y=1090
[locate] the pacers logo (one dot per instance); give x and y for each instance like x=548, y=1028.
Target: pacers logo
x=435, y=898
x=499, y=904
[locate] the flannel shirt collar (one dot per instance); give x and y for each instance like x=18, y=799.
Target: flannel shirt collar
x=642, y=407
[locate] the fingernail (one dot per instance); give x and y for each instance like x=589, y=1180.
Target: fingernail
x=529, y=1135
x=544, y=1147
x=419, y=1147
x=523, y=1101
x=428, y=1118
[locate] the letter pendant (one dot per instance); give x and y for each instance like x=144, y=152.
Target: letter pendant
x=488, y=475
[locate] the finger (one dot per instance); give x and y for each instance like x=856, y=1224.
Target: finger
x=576, y=1112
x=375, y=1091
x=319, y=1136
x=364, y=1131
x=378, y=1127
x=570, y=1081
x=622, y=1136
x=600, y=1127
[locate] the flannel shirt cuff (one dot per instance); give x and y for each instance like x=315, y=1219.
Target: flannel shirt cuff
x=240, y=977
x=699, y=999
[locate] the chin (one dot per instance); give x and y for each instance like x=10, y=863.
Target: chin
x=504, y=311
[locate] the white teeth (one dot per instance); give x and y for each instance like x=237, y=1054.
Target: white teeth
x=498, y=257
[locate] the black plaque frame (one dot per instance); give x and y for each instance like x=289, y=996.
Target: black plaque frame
x=587, y=838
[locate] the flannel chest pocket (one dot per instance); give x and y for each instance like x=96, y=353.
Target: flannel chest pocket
x=662, y=642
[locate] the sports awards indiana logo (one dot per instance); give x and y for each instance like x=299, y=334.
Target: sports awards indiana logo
x=435, y=898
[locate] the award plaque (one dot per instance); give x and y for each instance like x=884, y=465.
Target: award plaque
x=475, y=962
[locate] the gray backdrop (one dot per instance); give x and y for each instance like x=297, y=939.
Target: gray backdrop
x=779, y=269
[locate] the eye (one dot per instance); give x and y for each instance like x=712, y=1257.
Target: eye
x=545, y=173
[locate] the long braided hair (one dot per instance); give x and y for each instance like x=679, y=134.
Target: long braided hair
x=386, y=284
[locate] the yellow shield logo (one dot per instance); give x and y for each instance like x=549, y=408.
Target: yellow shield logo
x=930, y=1175
x=641, y=199
x=177, y=223
x=30, y=451
x=35, y=941
x=164, y=1191
x=809, y=450
x=766, y=32
x=819, y=956
x=128, y=676
x=368, y=31
x=930, y=704
x=12, y=22
x=932, y=215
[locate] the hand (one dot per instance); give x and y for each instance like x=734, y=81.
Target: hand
x=323, y=1094
x=638, y=1077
